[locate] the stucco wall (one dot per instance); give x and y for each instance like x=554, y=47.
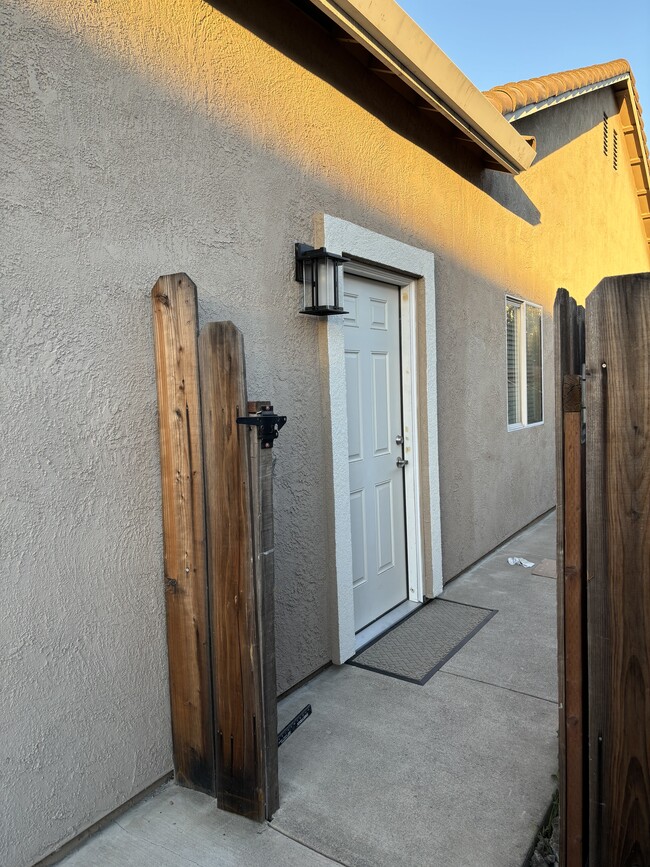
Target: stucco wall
x=578, y=220
x=141, y=139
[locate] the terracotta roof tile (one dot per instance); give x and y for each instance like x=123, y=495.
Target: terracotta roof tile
x=518, y=94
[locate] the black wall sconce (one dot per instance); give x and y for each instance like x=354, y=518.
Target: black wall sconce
x=321, y=274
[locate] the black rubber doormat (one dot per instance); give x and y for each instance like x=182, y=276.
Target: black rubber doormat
x=422, y=643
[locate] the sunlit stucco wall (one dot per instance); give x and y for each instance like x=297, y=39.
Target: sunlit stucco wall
x=579, y=220
x=141, y=139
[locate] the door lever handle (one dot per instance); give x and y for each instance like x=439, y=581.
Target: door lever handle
x=401, y=463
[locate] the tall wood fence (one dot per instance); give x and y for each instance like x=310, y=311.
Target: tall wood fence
x=603, y=568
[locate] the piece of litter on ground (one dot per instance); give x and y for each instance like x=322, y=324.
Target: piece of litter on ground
x=519, y=561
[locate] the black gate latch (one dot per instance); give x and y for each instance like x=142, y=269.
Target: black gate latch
x=267, y=423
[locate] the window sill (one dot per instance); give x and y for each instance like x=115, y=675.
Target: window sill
x=513, y=427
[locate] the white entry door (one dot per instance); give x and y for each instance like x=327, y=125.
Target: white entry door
x=375, y=435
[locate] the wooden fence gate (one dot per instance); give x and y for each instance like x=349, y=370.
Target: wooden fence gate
x=217, y=501
x=603, y=568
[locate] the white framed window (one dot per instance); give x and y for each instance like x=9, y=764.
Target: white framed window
x=524, y=363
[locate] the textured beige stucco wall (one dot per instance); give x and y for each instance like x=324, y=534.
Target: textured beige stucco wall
x=146, y=138
x=579, y=221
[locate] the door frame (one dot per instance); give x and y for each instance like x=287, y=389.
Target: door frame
x=379, y=257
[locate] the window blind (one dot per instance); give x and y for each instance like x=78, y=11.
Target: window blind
x=513, y=343
x=533, y=364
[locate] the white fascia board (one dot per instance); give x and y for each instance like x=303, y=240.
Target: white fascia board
x=384, y=29
x=534, y=107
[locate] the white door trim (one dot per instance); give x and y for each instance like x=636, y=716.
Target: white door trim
x=384, y=258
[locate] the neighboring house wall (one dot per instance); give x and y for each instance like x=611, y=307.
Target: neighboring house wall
x=141, y=139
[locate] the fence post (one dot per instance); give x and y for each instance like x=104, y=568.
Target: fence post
x=569, y=356
x=264, y=568
x=239, y=736
x=574, y=620
x=179, y=416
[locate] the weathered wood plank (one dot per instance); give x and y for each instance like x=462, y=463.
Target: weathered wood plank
x=181, y=462
x=262, y=488
x=562, y=328
x=569, y=356
x=235, y=648
x=618, y=570
x=574, y=620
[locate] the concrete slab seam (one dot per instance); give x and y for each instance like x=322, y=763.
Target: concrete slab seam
x=498, y=686
x=307, y=846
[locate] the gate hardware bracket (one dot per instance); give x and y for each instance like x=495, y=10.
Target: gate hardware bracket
x=267, y=423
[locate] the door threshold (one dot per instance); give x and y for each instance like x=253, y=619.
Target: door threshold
x=371, y=632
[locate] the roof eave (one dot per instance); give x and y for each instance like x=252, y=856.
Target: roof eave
x=521, y=98
x=534, y=107
x=387, y=32
x=635, y=143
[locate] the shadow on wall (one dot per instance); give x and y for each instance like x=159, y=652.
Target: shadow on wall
x=570, y=120
x=505, y=190
x=122, y=172
x=305, y=45
x=567, y=123
x=76, y=135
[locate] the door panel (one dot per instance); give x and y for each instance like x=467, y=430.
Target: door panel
x=385, y=540
x=381, y=402
x=355, y=421
x=374, y=395
x=358, y=524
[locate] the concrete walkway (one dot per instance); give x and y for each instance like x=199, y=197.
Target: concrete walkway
x=455, y=773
